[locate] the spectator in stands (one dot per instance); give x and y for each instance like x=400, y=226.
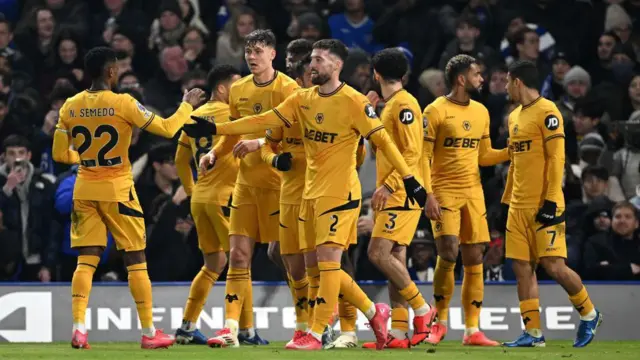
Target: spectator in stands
x=16, y=58
x=354, y=27
x=35, y=37
x=632, y=103
x=467, y=42
x=172, y=249
x=432, y=86
x=516, y=26
x=626, y=161
x=169, y=28
x=66, y=57
x=69, y=14
x=193, y=79
x=600, y=69
x=357, y=70
x=577, y=83
x=161, y=177
x=553, y=86
x=26, y=203
x=230, y=45
x=11, y=262
x=494, y=258
x=527, y=48
x=196, y=53
x=422, y=256
x=618, y=21
x=615, y=255
x=623, y=65
x=310, y=26
x=124, y=62
x=116, y=14
x=125, y=39
x=164, y=90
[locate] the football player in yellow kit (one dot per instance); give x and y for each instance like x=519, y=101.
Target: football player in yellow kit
x=456, y=142
x=256, y=195
x=535, y=201
x=332, y=116
x=210, y=197
x=98, y=123
x=396, y=219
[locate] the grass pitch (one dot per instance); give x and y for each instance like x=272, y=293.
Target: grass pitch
x=599, y=350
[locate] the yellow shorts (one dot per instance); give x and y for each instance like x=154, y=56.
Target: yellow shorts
x=289, y=239
x=328, y=220
x=255, y=213
x=462, y=217
x=212, y=225
x=90, y=221
x=529, y=240
x=397, y=226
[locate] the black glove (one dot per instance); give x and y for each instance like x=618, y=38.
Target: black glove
x=282, y=161
x=201, y=128
x=547, y=212
x=415, y=191
x=503, y=216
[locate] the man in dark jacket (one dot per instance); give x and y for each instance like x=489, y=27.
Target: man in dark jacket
x=26, y=201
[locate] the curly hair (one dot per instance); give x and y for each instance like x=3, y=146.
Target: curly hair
x=457, y=65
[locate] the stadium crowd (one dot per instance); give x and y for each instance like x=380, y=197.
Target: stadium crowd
x=588, y=51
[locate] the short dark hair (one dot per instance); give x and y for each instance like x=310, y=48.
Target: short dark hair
x=468, y=19
x=612, y=34
x=298, y=48
x=162, y=152
x=456, y=66
x=15, y=141
x=299, y=67
x=391, y=64
x=219, y=74
x=62, y=92
x=525, y=71
x=96, y=60
x=589, y=106
x=261, y=36
x=519, y=36
x=625, y=205
x=195, y=74
x=597, y=171
x=335, y=47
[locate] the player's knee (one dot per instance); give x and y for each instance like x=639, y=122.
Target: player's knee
x=447, y=247
x=375, y=254
x=133, y=257
x=553, y=266
x=472, y=254
x=215, y=261
x=239, y=257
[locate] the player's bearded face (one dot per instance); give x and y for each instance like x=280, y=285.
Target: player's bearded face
x=512, y=88
x=323, y=65
x=473, y=80
x=258, y=57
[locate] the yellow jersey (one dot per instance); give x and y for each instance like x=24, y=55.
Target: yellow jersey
x=247, y=97
x=99, y=125
x=331, y=125
x=401, y=118
x=457, y=141
x=536, y=133
x=290, y=139
x=214, y=186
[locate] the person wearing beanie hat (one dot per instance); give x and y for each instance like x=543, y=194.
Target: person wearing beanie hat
x=618, y=21
x=310, y=26
x=576, y=83
x=171, y=27
x=553, y=85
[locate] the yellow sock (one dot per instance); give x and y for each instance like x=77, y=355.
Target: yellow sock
x=348, y=316
x=530, y=312
x=443, y=285
x=235, y=292
x=301, y=302
x=472, y=295
x=200, y=288
x=352, y=293
x=327, y=294
x=246, y=317
x=81, y=286
x=140, y=287
x=313, y=274
x=413, y=296
x=582, y=302
x=400, y=320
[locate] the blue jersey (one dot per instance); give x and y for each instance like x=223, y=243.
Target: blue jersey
x=354, y=35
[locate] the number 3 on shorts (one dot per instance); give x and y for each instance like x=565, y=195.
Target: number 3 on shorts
x=553, y=237
x=392, y=221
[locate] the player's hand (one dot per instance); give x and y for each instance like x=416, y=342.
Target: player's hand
x=379, y=198
x=201, y=128
x=432, y=209
x=207, y=161
x=373, y=97
x=415, y=191
x=635, y=269
x=547, y=212
x=194, y=97
x=282, y=161
x=244, y=147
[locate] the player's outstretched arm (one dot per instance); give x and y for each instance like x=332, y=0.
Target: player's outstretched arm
x=183, y=160
x=61, y=151
x=155, y=124
x=488, y=156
